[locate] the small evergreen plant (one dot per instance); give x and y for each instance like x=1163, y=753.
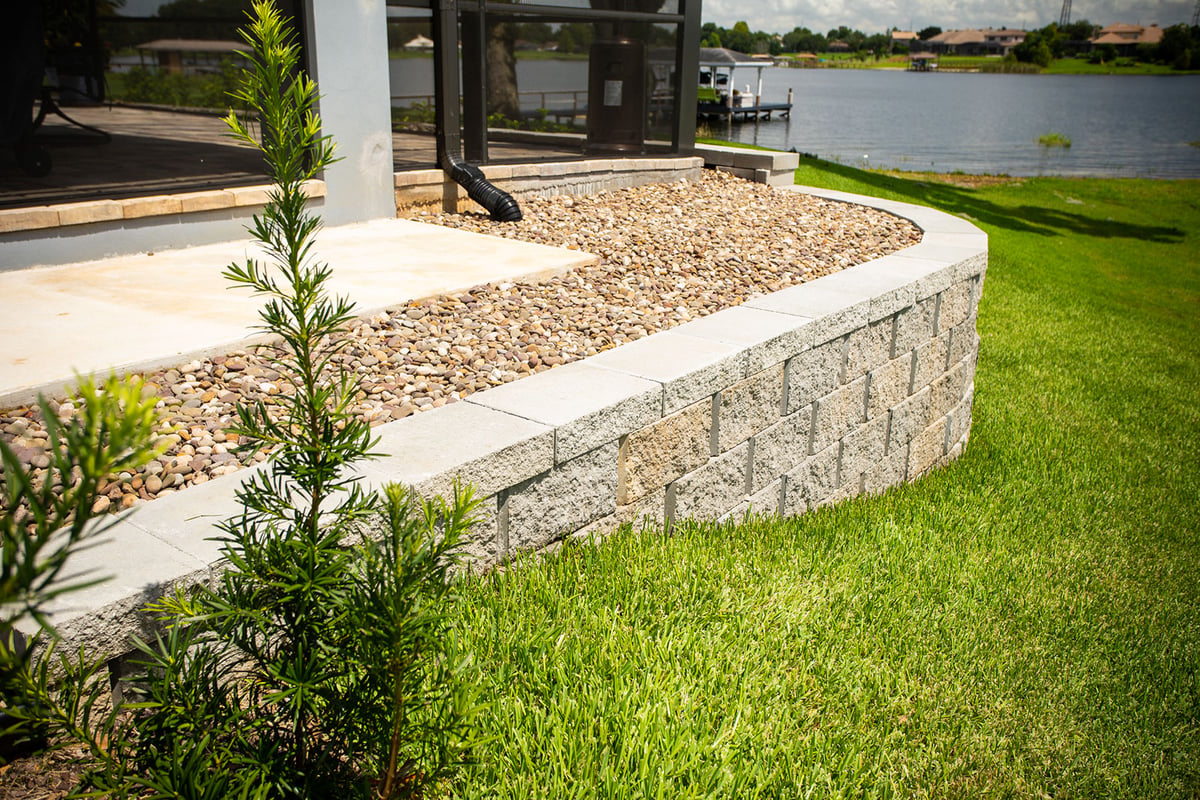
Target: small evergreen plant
x=321, y=663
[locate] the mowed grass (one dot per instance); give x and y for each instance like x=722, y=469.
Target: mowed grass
x=1023, y=623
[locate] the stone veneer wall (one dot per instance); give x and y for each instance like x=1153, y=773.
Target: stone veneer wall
x=852, y=383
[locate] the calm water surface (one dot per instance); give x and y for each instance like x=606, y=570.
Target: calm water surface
x=1119, y=125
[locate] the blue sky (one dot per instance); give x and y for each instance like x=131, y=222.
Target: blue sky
x=873, y=16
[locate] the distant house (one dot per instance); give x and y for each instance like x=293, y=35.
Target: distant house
x=191, y=56
x=974, y=42
x=903, y=38
x=1001, y=42
x=1126, y=38
x=838, y=46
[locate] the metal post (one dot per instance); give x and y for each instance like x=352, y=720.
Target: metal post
x=687, y=61
x=474, y=54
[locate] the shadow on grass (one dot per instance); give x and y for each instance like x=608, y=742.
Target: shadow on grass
x=1034, y=219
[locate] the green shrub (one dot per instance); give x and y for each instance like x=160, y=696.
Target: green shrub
x=321, y=664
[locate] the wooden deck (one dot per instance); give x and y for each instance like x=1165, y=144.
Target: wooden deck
x=743, y=113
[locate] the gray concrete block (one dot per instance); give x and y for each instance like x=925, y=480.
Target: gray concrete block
x=891, y=470
x=648, y=510
x=652, y=457
x=689, y=368
x=862, y=449
x=973, y=267
x=889, y=385
x=908, y=419
x=780, y=448
x=928, y=449
x=574, y=493
x=134, y=568
x=833, y=311
x=588, y=407
x=768, y=337
x=748, y=407
x=884, y=280
x=960, y=417
x=839, y=413
x=812, y=482
x=713, y=490
x=483, y=547
x=956, y=305
x=915, y=324
x=867, y=348
x=932, y=360
x=489, y=449
x=964, y=341
x=814, y=373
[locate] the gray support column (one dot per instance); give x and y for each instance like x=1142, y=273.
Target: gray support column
x=348, y=58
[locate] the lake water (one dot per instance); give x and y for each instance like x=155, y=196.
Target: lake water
x=1118, y=125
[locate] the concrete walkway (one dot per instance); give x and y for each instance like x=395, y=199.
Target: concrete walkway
x=156, y=309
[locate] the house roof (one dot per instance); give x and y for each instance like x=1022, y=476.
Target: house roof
x=721, y=56
x=903, y=36
x=1121, y=33
x=967, y=36
x=194, y=46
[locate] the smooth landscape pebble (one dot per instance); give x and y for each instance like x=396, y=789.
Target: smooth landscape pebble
x=669, y=253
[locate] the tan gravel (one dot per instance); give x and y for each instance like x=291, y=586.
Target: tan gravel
x=669, y=253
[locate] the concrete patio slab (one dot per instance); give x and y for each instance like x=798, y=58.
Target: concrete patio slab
x=155, y=309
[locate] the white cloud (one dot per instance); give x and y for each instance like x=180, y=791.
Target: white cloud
x=874, y=16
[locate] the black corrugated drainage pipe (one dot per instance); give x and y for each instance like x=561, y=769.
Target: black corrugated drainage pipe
x=499, y=203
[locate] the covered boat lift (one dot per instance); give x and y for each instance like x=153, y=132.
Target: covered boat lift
x=717, y=92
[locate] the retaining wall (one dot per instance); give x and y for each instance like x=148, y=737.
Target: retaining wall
x=852, y=383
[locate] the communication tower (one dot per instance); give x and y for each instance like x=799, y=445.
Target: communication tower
x=1196, y=15
x=1064, y=18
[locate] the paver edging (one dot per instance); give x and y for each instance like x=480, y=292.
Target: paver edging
x=795, y=399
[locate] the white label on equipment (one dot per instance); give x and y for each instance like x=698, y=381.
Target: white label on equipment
x=612, y=93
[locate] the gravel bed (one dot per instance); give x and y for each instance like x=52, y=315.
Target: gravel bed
x=669, y=253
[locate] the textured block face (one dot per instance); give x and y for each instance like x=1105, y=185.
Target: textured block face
x=688, y=368
x=862, y=449
x=811, y=483
x=867, y=348
x=814, y=373
x=948, y=390
x=931, y=360
x=916, y=324
x=956, y=305
x=927, y=449
x=908, y=419
x=651, y=509
x=890, y=471
x=960, y=418
x=587, y=406
x=561, y=501
x=749, y=406
x=889, y=386
x=838, y=413
x=964, y=340
x=484, y=546
x=779, y=448
x=709, y=492
x=654, y=456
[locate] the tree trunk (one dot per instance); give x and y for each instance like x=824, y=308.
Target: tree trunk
x=502, y=71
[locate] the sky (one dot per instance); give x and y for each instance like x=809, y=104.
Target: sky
x=877, y=16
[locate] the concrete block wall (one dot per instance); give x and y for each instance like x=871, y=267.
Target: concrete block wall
x=852, y=383
x=432, y=189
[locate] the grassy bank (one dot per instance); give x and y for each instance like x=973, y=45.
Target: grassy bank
x=1025, y=623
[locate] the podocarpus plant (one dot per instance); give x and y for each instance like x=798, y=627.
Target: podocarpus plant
x=319, y=664
x=43, y=522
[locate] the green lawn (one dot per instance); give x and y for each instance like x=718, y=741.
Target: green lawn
x=1024, y=623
